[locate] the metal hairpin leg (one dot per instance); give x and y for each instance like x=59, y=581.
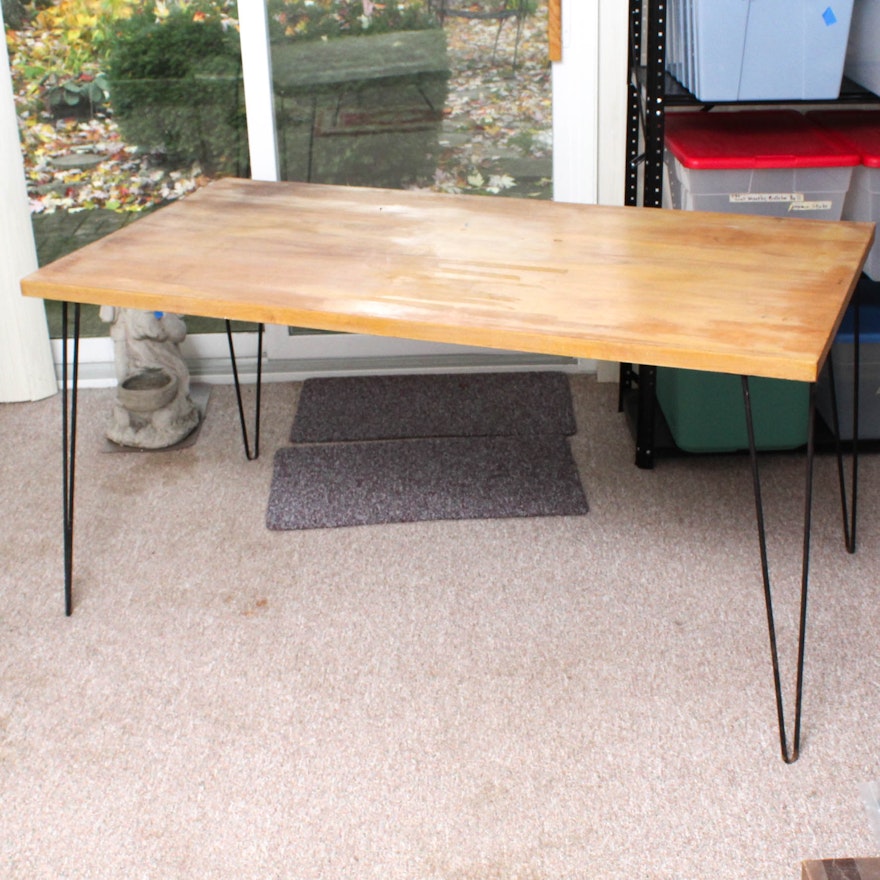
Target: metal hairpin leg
x=68, y=441
x=849, y=517
x=251, y=456
x=789, y=753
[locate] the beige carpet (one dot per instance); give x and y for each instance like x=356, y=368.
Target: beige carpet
x=585, y=697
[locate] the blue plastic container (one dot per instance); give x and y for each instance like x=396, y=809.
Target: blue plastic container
x=759, y=50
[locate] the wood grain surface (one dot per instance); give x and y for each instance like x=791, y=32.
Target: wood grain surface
x=725, y=293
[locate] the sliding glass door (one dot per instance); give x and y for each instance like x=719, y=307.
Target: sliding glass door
x=431, y=94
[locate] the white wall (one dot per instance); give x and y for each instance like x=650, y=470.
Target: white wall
x=613, y=95
x=26, y=370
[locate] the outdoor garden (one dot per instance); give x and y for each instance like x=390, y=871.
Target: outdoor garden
x=95, y=82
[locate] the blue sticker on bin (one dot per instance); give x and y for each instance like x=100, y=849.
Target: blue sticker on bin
x=829, y=16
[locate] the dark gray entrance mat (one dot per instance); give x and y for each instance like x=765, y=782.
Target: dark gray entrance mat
x=466, y=405
x=351, y=484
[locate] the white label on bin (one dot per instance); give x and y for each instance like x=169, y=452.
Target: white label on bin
x=739, y=198
x=817, y=205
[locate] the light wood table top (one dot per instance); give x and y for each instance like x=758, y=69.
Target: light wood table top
x=720, y=292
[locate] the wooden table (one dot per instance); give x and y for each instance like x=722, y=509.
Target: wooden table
x=749, y=295
x=733, y=294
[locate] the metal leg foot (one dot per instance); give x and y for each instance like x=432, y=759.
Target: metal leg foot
x=789, y=751
x=249, y=454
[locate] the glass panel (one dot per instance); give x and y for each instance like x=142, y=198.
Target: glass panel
x=451, y=95
x=448, y=94
x=124, y=105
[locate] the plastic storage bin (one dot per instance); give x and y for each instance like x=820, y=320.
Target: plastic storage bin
x=862, y=62
x=860, y=130
x=869, y=375
x=757, y=50
x=770, y=162
x=705, y=411
x=776, y=163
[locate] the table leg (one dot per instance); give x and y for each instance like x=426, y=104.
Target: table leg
x=250, y=455
x=789, y=752
x=68, y=441
x=849, y=516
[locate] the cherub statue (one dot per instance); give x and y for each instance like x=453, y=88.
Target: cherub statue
x=153, y=408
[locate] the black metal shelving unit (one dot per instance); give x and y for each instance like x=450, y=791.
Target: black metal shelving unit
x=644, y=186
x=651, y=90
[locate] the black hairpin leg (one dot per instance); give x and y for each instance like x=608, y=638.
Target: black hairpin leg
x=68, y=440
x=789, y=752
x=251, y=455
x=849, y=516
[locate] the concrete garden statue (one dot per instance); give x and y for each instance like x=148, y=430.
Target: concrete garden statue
x=153, y=409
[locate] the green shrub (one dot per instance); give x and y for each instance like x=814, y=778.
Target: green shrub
x=176, y=84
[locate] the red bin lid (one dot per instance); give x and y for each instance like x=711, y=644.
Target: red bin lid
x=858, y=130
x=754, y=139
